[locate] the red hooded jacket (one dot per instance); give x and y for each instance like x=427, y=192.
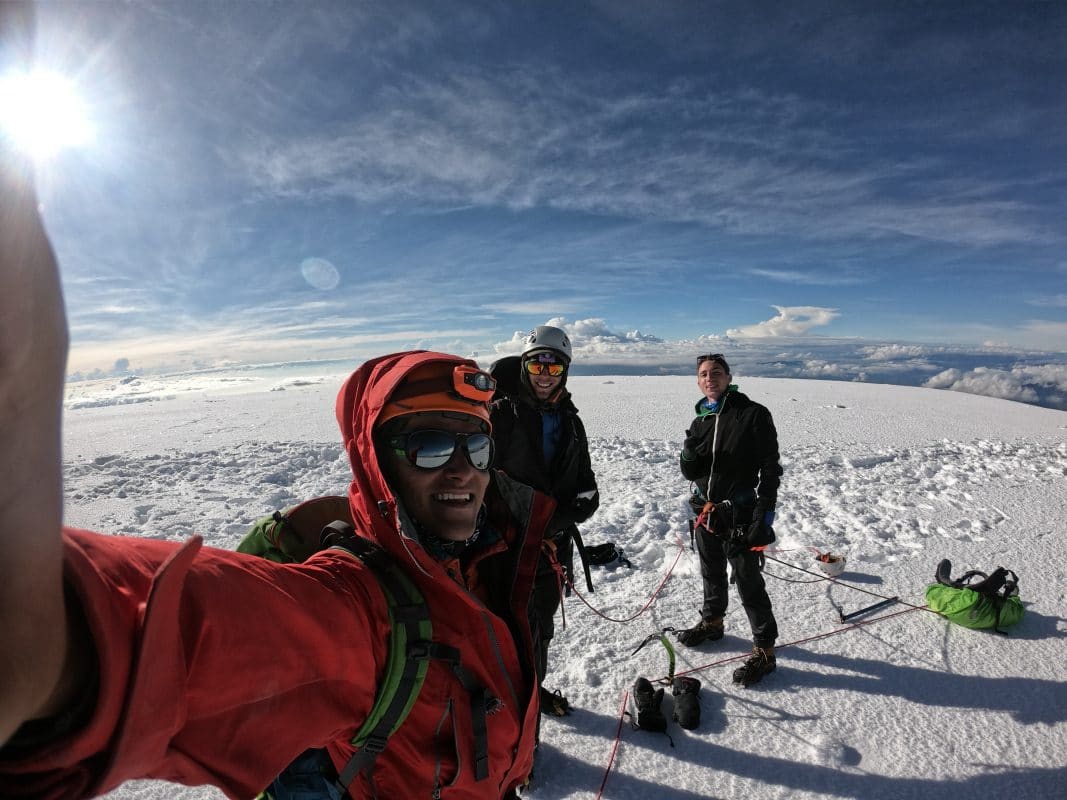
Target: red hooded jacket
x=220, y=668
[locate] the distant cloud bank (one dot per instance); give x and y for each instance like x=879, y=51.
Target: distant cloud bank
x=1042, y=385
x=778, y=348
x=781, y=347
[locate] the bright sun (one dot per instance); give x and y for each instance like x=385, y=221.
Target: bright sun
x=42, y=113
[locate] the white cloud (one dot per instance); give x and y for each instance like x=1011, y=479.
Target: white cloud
x=888, y=352
x=581, y=143
x=1045, y=384
x=791, y=321
x=808, y=277
x=531, y=307
x=824, y=369
x=589, y=338
x=1052, y=301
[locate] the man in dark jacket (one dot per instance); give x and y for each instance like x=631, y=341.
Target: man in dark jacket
x=730, y=454
x=540, y=441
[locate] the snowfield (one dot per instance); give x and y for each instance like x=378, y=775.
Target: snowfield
x=893, y=478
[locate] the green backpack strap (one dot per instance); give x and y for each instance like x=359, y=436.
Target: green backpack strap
x=410, y=639
x=287, y=537
x=411, y=647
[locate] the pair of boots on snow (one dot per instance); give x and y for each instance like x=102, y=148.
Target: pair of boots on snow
x=649, y=701
x=761, y=662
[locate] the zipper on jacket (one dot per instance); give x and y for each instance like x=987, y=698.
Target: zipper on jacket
x=447, y=716
x=503, y=667
x=715, y=442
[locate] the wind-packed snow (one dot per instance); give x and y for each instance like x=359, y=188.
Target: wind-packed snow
x=893, y=478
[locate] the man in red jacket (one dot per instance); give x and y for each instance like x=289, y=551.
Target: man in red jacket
x=126, y=658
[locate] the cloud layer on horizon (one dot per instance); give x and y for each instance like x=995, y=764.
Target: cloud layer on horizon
x=1034, y=378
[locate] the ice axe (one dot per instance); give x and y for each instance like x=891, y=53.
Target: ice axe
x=867, y=609
x=662, y=638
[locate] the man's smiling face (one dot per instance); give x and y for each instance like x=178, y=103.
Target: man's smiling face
x=445, y=501
x=712, y=379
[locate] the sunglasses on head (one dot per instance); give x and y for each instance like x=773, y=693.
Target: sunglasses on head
x=539, y=368
x=432, y=449
x=711, y=357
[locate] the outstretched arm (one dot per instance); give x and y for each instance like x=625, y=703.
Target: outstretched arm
x=33, y=350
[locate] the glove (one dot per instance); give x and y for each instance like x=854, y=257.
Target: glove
x=582, y=507
x=760, y=531
x=693, y=446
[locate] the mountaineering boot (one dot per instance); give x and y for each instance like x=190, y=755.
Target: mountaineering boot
x=760, y=663
x=686, y=702
x=704, y=631
x=648, y=701
x=554, y=704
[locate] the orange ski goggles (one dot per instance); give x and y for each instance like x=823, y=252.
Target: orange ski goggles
x=540, y=368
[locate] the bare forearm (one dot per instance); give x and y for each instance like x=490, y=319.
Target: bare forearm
x=33, y=346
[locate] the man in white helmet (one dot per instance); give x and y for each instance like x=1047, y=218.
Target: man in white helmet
x=540, y=441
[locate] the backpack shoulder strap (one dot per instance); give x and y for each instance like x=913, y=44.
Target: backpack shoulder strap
x=409, y=649
x=943, y=575
x=971, y=579
x=991, y=585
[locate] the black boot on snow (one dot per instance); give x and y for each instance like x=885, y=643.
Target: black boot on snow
x=760, y=663
x=707, y=630
x=554, y=704
x=648, y=701
x=686, y=702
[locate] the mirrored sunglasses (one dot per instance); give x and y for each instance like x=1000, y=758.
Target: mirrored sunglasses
x=432, y=449
x=537, y=368
x=710, y=357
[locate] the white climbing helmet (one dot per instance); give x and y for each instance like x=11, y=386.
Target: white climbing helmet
x=546, y=337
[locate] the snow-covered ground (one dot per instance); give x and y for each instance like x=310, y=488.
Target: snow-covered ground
x=893, y=478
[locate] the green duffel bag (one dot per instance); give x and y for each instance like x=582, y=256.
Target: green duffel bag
x=975, y=599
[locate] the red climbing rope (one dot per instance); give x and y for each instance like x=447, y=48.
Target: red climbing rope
x=560, y=572
x=615, y=746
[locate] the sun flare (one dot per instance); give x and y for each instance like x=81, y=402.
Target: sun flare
x=41, y=113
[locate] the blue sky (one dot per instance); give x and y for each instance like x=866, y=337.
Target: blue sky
x=862, y=191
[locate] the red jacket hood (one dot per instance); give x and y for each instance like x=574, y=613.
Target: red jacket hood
x=360, y=401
